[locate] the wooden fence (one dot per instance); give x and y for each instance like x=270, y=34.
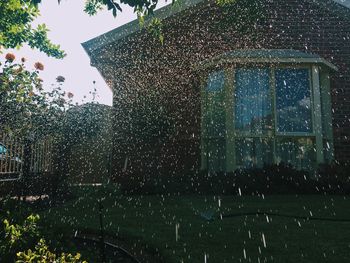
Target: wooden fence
x=14, y=156
x=41, y=156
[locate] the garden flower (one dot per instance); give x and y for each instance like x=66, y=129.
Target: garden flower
x=19, y=70
x=39, y=66
x=70, y=95
x=10, y=57
x=23, y=60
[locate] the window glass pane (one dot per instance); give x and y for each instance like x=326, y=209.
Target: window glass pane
x=252, y=101
x=293, y=100
x=299, y=152
x=216, y=81
x=253, y=152
x=214, y=122
x=215, y=110
x=216, y=154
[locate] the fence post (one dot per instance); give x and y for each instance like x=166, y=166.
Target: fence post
x=102, y=238
x=27, y=152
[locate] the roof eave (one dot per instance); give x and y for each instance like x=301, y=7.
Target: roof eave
x=132, y=27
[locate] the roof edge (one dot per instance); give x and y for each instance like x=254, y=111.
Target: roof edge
x=134, y=26
x=169, y=10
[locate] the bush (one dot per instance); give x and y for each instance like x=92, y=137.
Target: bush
x=334, y=178
x=17, y=242
x=18, y=237
x=273, y=179
x=41, y=254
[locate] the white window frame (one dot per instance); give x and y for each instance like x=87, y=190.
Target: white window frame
x=318, y=78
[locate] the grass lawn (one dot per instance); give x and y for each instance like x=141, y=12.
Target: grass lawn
x=151, y=221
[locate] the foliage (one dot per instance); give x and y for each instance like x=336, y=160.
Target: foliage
x=145, y=7
x=23, y=237
x=26, y=109
x=16, y=17
x=85, y=121
x=18, y=237
x=41, y=254
x=155, y=29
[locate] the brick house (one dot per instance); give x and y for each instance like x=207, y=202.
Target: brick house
x=263, y=81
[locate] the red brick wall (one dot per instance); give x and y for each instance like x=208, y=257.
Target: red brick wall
x=136, y=65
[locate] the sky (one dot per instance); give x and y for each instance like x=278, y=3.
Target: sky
x=70, y=26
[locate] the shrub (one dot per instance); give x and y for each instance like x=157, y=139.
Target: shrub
x=17, y=242
x=18, y=237
x=272, y=179
x=41, y=254
x=334, y=178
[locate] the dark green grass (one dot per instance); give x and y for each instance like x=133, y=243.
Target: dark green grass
x=151, y=220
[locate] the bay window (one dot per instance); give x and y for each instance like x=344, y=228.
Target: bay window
x=263, y=109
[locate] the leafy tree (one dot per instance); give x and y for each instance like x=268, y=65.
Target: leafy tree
x=16, y=17
x=85, y=121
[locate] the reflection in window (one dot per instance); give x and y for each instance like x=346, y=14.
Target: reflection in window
x=253, y=152
x=216, y=152
x=215, y=110
x=252, y=101
x=269, y=119
x=216, y=81
x=293, y=100
x=300, y=153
